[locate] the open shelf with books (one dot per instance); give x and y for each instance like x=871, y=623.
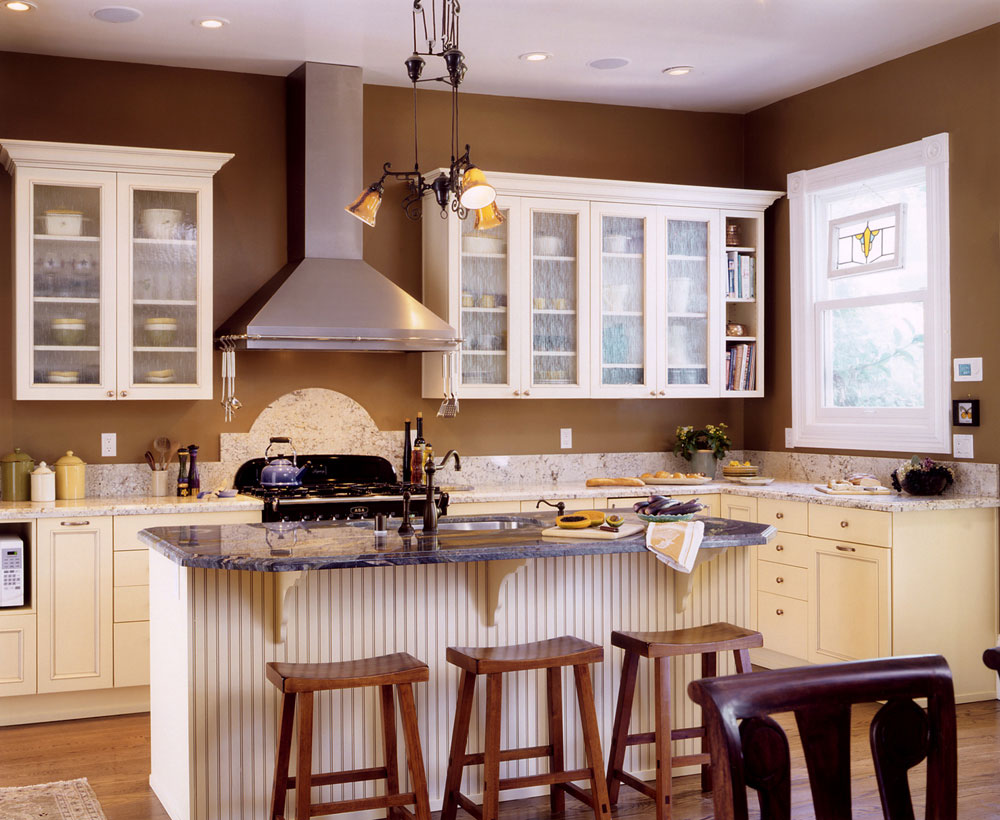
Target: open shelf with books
x=743, y=296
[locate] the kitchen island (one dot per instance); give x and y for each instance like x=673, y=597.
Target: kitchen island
x=225, y=600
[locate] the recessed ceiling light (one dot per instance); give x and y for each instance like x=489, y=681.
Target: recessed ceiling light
x=678, y=70
x=117, y=14
x=608, y=62
x=536, y=56
x=211, y=22
x=19, y=5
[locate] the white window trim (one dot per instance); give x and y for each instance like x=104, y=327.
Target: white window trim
x=925, y=430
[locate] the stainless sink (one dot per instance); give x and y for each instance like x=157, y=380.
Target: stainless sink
x=481, y=525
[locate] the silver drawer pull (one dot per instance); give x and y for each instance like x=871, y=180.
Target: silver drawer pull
x=779, y=612
x=846, y=549
x=779, y=547
x=74, y=523
x=843, y=523
x=779, y=580
x=779, y=515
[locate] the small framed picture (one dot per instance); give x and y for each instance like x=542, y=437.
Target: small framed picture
x=965, y=412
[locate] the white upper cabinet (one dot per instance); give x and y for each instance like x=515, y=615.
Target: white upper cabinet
x=594, y=288
x=112, y=271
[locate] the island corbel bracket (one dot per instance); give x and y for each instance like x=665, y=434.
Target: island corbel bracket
x=284, y=583
x=497, y=573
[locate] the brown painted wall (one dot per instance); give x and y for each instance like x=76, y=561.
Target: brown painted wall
x=49, y=98
x=953, y=87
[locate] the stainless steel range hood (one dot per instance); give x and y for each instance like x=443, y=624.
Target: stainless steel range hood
x=327, y=297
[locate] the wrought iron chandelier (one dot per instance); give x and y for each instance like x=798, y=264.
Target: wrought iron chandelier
x=463, y=187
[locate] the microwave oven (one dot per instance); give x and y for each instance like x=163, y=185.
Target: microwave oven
x=12, y=571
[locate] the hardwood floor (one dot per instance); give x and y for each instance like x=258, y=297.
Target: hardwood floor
x=113, y=754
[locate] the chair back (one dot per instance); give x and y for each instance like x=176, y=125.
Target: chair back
x=749, y=748
x=991, y=657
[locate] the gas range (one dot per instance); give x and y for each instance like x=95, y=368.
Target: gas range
x=336, y=487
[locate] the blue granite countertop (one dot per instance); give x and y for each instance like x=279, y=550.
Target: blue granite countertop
x=293, y=546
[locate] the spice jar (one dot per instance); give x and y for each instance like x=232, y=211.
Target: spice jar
x=15, y=472
x=43, y=483
x=70, y=477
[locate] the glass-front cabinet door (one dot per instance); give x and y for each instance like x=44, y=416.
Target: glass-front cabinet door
x=690, y=301
x=64, y=240
x=490, y=350
x=164, y=346
x=623, y=300
x=558, y=256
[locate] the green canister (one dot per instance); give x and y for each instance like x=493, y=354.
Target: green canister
x=15, y=476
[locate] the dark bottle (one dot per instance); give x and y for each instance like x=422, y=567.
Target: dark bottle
x=407, y=451
x=417, y=456
x=194, y=480
x=182, y=474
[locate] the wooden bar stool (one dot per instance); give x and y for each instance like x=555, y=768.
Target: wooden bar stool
x=661, y=647
x=550, y=655
x=298, y=682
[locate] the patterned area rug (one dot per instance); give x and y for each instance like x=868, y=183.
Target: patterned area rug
x=65, y=800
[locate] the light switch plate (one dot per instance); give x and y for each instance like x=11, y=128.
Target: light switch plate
x=109, y=445
x=961, y=445
x=969, y=370
x=566, y=437
x=789, y=442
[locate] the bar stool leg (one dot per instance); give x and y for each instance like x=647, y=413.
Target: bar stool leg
x=742, y=661
x=285, y=724
x=491, y=754
x=414, y=755
x=663, y=751
x=557, y=797
x=709, y=669
x=623, y=718
x=592, y=742
x=459, y=742
x=389, y=745
x=303, y=770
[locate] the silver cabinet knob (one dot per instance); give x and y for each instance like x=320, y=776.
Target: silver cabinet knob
x=110, y=394
x=663, y=392
x=527, y=392
x=517, y=392
x=652, y=392
x=124, y=394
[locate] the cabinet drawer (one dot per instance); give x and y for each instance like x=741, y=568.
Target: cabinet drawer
x=787, y=548
x=782, y=579
x=783, y=623
x=132, y=568
x=786, y=516
x=131, y=604
x=851, y=524
x=127, y=527
x=132, y=654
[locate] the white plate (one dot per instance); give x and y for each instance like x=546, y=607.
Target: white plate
x=702, y=480
x=756, y=480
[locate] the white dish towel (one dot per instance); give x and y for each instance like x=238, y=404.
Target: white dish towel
x=676, y=543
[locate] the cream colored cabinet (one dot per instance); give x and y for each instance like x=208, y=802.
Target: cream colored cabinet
x=592, y=288
x=74, y=603
x=739, y=507
x=17, y=655
x=112, y=271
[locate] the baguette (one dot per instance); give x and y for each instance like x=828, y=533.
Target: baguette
x=615, y=482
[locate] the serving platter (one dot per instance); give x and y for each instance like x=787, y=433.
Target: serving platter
x=656, y=481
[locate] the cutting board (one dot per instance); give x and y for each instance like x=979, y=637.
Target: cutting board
x=857, y=491
x=593, y=533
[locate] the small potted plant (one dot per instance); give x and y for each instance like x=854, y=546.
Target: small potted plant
x=703, y=448
x=922, y=477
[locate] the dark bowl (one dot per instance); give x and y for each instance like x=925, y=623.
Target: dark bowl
x=926, y=482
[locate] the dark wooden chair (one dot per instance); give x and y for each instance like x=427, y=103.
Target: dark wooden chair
x=298, y=682
x=550, y=655
x=749, y=748
x=991, y=657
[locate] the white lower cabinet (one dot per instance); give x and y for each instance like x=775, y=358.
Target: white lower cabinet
x=74, y=604
x=17, y=655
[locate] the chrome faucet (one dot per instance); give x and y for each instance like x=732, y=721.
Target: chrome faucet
x=430, y=508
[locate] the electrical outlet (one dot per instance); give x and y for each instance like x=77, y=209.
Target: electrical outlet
x=961, y=445
x=788, y=437
x=109, y=445
x=566, y=437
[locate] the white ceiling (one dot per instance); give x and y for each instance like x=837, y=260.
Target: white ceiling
x=746, y=53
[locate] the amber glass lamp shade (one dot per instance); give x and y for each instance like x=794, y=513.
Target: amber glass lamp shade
x=488, y=217
x=366, y=206
x=476, y=191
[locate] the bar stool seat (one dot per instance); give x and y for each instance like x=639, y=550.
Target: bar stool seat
x=550, y=655
x=660, y=647
x=298, y=683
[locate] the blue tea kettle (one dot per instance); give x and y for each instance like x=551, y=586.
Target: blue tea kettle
x=279, y=471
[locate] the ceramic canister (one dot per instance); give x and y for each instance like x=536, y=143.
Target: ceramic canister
x=15, y=471
x=70, y=477
x=43, y=483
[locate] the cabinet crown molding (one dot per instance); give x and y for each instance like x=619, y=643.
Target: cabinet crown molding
x=120, y=158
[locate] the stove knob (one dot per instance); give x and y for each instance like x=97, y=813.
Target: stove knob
x=309, y=517
x=285, y=518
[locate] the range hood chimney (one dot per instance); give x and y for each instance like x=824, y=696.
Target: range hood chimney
x=327, y=297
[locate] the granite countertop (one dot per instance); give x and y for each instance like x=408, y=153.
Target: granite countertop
x=125, y=505
x=779, y=489
x=291, y=546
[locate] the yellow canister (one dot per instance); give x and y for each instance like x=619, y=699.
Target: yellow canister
x=70, y=477
x=15, y=476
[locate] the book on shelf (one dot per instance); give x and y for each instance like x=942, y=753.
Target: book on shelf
x=741, y=366
x=741, y=275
